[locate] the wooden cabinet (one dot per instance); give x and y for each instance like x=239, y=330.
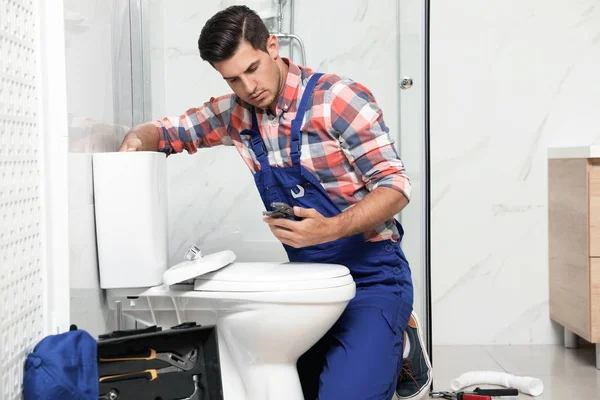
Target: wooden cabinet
x=574, y=244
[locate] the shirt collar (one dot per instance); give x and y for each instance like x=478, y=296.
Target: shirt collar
x=295, y=77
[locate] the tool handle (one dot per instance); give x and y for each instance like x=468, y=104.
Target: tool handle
x=149, y=374
x=467, y=396
x=145, y=356
x=497, y=392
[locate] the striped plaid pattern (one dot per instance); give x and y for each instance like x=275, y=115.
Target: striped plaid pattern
x=345, y=142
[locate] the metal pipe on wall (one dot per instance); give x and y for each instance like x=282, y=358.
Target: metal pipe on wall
x=290, y=36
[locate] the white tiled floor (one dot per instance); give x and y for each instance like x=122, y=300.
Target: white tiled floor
x=567, y=374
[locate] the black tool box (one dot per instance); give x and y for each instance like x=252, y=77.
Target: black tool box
x=155, y=364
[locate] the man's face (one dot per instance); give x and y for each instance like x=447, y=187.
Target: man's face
x=253, y=74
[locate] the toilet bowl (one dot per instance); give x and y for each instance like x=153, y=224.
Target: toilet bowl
x=266, y=314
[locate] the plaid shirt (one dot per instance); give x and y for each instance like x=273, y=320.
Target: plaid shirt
x=345, y=142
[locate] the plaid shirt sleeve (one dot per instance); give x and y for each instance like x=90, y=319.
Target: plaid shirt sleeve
x=357, y=121
x=204, y=126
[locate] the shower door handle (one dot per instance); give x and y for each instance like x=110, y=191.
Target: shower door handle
x=406, y=83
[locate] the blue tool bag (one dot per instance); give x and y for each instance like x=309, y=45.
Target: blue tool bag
x=62, y=367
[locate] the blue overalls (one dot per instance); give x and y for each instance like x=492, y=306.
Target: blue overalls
x=361, y=356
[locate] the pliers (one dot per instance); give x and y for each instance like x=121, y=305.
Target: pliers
x=178, y=364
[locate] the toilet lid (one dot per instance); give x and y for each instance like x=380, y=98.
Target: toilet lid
x=273, y=276
x=187, y=270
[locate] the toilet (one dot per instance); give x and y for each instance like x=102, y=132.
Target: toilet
x=266, y=314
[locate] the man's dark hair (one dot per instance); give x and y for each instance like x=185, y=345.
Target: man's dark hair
x=223, y=32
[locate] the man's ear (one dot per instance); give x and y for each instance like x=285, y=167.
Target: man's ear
x=273, y=47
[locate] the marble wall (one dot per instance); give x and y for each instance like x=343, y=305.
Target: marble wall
x=508, y=79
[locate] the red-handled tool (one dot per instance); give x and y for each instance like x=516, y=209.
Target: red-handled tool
x=468, y=396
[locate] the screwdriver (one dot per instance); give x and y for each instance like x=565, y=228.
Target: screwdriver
x=459, y=396
x=496, y=392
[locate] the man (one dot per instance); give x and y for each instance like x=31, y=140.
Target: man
x=317, y=142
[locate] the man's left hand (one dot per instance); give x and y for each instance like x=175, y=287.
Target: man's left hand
x=313, y=229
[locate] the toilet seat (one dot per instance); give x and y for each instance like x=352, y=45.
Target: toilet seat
x=218, y=272
x=274, y=277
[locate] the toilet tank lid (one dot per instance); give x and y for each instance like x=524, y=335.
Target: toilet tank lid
x=188, y=270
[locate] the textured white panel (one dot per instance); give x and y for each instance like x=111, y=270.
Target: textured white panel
x=21, y=319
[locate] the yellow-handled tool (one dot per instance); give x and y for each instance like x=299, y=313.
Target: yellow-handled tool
x=185, y=363
x=150, y=374
x=150, y=356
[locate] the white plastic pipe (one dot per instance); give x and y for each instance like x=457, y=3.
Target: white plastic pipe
x=525, y=384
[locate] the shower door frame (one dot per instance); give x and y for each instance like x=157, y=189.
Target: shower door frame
x=408, y=122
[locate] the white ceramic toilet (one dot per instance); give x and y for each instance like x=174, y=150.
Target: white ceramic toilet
x=267, y=314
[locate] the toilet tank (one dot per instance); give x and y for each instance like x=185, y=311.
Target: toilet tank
x=130, y=198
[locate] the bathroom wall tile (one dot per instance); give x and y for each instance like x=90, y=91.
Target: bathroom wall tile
x=214, y=204
x=356, y=39
x=185, y=79
x=508, y=79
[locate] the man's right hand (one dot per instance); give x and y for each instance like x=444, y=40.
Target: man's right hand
x=143, y=137
x=131, y=143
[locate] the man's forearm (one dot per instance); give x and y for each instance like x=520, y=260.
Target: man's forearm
x=147, y=133
x=373, y=210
